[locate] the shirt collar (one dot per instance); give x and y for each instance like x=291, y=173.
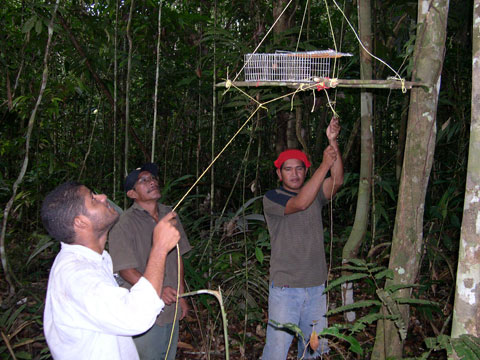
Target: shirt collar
x=288, y=191
x=83, y=251
x=137, y=206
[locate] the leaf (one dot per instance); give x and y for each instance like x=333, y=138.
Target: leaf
x=356, y=305
x=44, y=243
x=71, y=164
x=396, y=287
x=354, y=344
x=413, y=301
x=29, y=24
x=13, y=317
x=314, y=341
x=463, y=351
x=259, y=254
x=247, y=204
x=23, y=355
x=343, y=279
x=290, y=326
x=388, y=273
x=358, y=262
x=467, y=344
x=360, y=324
x=352, y=268
x=38, y=26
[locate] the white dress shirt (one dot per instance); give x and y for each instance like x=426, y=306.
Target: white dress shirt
x=87, y=316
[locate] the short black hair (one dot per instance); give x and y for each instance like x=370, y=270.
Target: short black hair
x=59, y=210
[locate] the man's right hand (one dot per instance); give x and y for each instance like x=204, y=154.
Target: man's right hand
x=329, y=156
x=165, y=233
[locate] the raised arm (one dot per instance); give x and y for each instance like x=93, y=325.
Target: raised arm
x=165, y=237
x=335, y=181
x=332, y=161
x=309, y=191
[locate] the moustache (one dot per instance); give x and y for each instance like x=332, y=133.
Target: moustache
x=153, y=188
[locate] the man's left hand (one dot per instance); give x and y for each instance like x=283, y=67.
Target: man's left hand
x=185, y=307
x=169, y=295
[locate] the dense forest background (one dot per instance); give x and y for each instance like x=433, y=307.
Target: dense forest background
x=97, y=120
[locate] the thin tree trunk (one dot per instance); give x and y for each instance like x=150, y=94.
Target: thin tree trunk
x=298, y=128
x=23, y=170
x=157, y=71
x=407, y=239
x=101, y=85
x=466, y=314
x=286, y=136
x=89, y=144
x=127, y=85
x=115, y=104
x=350, y=249
x=351, y=140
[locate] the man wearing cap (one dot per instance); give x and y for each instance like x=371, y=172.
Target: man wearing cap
x=298, y=268
x=130, y=241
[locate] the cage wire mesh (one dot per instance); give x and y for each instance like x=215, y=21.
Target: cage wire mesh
x=289, y=66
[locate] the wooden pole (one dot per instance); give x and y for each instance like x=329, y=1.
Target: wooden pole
x=330, y=83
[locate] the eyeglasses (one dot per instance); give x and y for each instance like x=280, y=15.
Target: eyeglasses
x=147, y=179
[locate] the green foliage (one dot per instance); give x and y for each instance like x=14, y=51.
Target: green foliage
x=466, y=347
x=198, y=40
x=359, y=269
x=19, y=328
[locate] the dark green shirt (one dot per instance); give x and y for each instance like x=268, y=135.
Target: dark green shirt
x=130, y=242
x=298, y=255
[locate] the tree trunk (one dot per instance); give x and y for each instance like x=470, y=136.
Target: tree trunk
x=466, y=315
x=157, y=72
x=115, y=104
x=350, y=250
x=407, y=239
x=401, y=140
x=23, y=170
x=286, y=135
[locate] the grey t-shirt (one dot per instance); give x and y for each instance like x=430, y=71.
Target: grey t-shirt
x=130, y=242
x=298, y=255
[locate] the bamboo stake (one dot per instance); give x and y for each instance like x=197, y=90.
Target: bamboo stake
x=218, y=296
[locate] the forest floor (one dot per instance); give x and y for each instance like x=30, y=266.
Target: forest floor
x=21, y=326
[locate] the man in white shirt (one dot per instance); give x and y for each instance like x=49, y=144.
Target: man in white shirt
x=87, y=316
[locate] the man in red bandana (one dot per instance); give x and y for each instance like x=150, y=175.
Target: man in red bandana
x=298, y=268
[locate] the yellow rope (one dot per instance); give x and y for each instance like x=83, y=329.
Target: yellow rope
x=302, y=87
x=301, y=26
x=397, y=75
x=333, y=36
x=268, y=32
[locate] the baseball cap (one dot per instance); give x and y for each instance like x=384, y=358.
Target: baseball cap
x=132, y=178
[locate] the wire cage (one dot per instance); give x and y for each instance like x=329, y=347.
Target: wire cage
x=288, y=66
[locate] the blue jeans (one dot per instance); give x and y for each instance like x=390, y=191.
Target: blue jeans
x=153, y=344
x=305, y=307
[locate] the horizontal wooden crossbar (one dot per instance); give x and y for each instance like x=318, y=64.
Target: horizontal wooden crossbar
x=331, y=83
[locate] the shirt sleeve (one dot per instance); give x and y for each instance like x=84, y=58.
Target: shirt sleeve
x=183, y=243
x=120, y=246
x=100, y=305
x=274, y=203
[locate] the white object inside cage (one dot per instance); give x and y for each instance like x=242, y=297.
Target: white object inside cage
x=289, y=66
